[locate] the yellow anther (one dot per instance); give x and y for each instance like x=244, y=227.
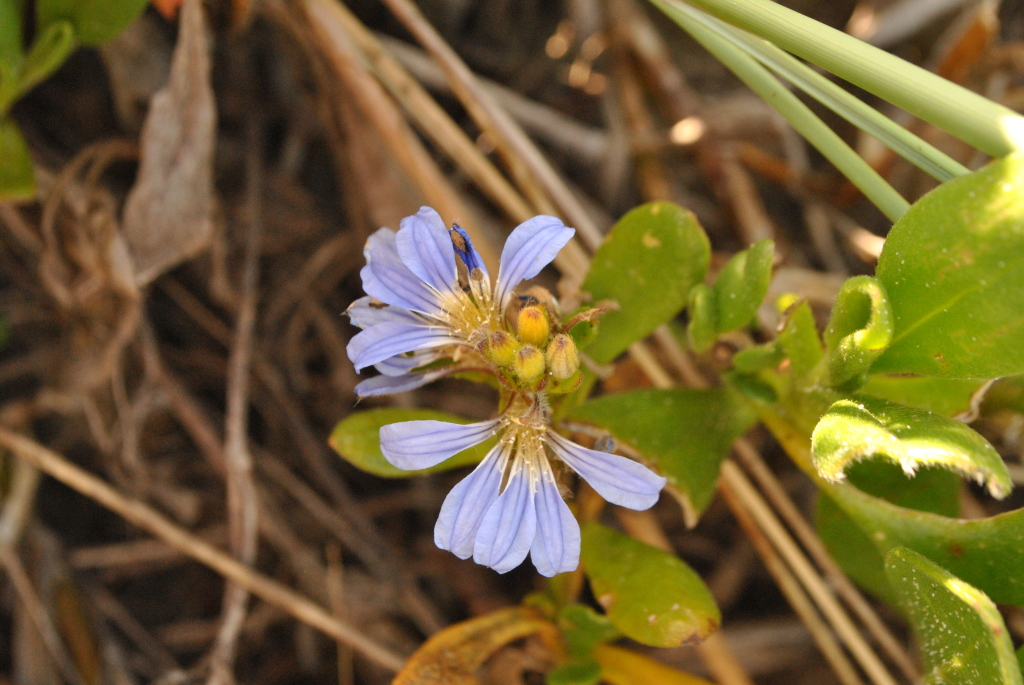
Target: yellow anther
x=533, y=327
x=502, y=348
x=529, y=363
x=562, y=357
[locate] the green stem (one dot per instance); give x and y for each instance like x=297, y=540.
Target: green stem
x=986, y=125
x=761, y=81
x=904, y=143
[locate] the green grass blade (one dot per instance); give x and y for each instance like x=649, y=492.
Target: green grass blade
x=986, y=125
x=904, y=143
x=762, y=82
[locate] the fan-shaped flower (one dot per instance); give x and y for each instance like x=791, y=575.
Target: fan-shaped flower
x=529, y=515
x=429, y=298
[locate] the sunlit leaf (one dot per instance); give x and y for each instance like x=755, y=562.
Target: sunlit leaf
x=742, y=284
x=853, y=430
x=962, y=635
x=16, y=179
x=453, y=655
x=625, y=667
x=702, y=328
x=357, y=440
x=858, y=331
x=95, y=21
x=953, y=268
x=646, y=266
x=649, y=595
x=684, y=432
x=946, y=396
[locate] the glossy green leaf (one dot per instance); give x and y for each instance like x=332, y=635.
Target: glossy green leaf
x=931, y=489
x=95, y=21
x=858, y=331
x=953, y=268
x=798, y=337
x=852, y=430
x=946, y=396
x=647, y=265
x=17, y=181
x=649, y=595
x=987, y=553
x=48, y=52
x=684, y=432
x=742, y=285
x=357, y=440
x=702, y=328
x=962, y=635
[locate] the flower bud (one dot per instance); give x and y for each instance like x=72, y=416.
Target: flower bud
x=562, y=357
x=502, y=348
x=529, y=363
x=533, y=327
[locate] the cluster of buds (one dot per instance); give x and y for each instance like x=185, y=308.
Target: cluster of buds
x=539, y=355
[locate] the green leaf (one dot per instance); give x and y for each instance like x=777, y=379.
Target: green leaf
x=357, y=440
x=650, y=595
x=1020, y=658
x=758, y=358
x=51, y=47
x=953, y=268
x=647, y=265
x=575, y=672
x=931, y=489
x=684, y=432
x=798, y=337
x=702, y=329
x=95, y=21
x=742, y=285
x=946, y=396
x=962, y=635
x=17, y=181
x=987, y=553
x=852, y=430
x=10, y=34
x=858, y=331
x=584, y=629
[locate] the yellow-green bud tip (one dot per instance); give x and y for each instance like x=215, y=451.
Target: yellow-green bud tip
x=563, y=359
x=502, y=348
x=529, y=363
x=533, y=327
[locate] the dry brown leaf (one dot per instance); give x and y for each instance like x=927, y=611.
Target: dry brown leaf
x=167, y=218
x=452, y=656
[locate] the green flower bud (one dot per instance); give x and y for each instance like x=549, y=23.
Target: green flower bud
x=502, y=348
x=562, y=357
x=529, y=363
x=533, y=326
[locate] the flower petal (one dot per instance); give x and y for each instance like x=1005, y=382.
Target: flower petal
x=385, y=340
x=404, y=363
x=619, y=480
x=470, y=257
x=426, y=248
x=556, y=547
x=509, y=526
x=389, y=385
x=366, y=312
x=464, y=507
x=529, y=248
x=387, y=279
x=413, y=445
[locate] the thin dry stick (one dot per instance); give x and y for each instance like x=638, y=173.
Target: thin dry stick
x=376, y=106
x=336, y=595
x=790, y=587
x=803, y=569
x=242, y=502
x=753, y=462
x=148, y=519
x=510, y=139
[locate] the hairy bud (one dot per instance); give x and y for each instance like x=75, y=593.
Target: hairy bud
x=502, y=348
x=533, y=327
x=562, y=357
x=529, y=363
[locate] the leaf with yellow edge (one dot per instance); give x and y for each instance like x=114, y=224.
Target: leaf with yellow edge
x=452, y=656
x=625, y=667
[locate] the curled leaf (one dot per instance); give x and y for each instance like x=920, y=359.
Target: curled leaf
x=860, y=329
x=853, y=430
